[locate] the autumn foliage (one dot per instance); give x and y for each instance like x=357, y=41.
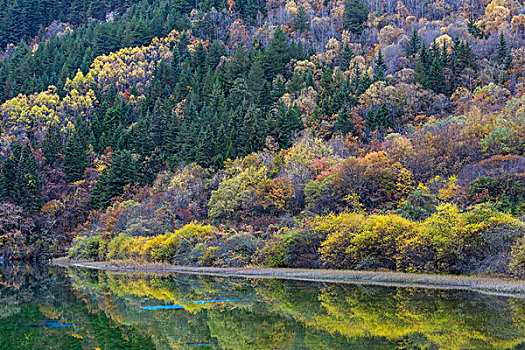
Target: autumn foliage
x=344, y=134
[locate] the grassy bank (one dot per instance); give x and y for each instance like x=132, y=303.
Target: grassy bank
x=483, y=284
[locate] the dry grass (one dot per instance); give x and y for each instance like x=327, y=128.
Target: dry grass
x=484, y=284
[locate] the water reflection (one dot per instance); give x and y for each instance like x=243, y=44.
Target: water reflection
x=53, y=308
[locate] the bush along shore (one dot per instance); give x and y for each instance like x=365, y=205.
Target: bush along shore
x=480, y=240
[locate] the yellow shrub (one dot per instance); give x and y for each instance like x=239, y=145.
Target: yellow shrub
x=517, y=263
x=416, y=252
x=165, y=248
x=152, y=245
x=194, y=229
x=117, y=247
x=376, y=245
x=356, y=241
x=340, y=231
x=137, y=248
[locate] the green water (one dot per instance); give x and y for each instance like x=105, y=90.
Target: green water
x=59, y=308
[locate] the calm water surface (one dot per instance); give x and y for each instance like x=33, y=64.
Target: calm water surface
x=71, y=308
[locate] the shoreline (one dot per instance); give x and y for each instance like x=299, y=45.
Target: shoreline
x=482, y=284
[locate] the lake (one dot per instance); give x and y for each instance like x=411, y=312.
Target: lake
x=49, y=307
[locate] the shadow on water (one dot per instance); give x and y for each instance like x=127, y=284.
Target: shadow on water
x=47, y=307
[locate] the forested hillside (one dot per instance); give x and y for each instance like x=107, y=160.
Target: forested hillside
x=345, y=134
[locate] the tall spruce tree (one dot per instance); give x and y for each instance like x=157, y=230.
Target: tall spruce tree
x=121, y=172
x=300, y=20
x=75, y=157
x=414, y=44
x=27, y=186
x=346, y=57
x=380, y=69
x=503, y=50
x=504, y=56
x=277, y=54
x=52, y=145
x=354, y=15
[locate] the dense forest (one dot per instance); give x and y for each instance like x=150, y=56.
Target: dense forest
x=343, y=134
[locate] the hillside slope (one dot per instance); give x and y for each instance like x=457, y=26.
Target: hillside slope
x=400, y=125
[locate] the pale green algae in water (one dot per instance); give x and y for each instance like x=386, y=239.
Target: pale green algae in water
x=73, y=308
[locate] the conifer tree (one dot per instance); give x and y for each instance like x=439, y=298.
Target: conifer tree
x=289, y=122
x=343, y=124
x=346, y=57
x=300, y=20
x=215, y=51
x=99, y=195
x=379, y=118
x=75, y=157
x=504, y=57
x=255, y=82
x=121, y=172
x=277, y=54
x=502, y=49
x=9, y=171
x=52, y=145
x=434, y=79
x=422, y=66
x=355, y=14
x=97, y=9
x=252, y=132
x=364, y=84
x=473, y=28
x=27, y=185
x=380, y=69
x=414, y=44
x=199, y=57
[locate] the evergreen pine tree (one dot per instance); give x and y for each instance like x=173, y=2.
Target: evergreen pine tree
x=227, y=150
x=355, y=14
x=99, y=199
x=277, y=54
x=5, y=185
x=121, y=172
x=343, y=124
x=502, y=49
x=250, y=133
x=150, y=167
x=9, y=171
x=255, y=81
x=473, y=28
x=364, y=84
x=435, y=79
x=379, y=118
x=97, y=9
x=52, y=146
x=380, y=69
x=199, y=57
x=414, y=44
x=75, y=157
x=300, y=20
x=346, y=57
x=27, y=185
x=187, y=137
x=215, y=51
x=508, y=62
x=504, y=57
x=289, y=121
x=422, y=66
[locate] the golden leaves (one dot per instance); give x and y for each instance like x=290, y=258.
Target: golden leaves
x=130, y=67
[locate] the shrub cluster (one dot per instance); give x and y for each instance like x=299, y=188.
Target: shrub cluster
x=449, y=241
x=480, y=240
x=193, y=244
